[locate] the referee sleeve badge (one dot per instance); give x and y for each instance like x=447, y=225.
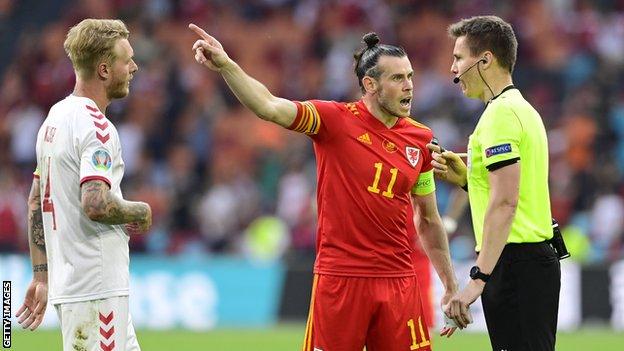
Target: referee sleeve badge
x=497, y=150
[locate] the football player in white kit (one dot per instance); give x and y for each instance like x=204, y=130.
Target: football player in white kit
x=79, y=223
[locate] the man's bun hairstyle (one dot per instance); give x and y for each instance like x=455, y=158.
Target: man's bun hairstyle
x=367, y=58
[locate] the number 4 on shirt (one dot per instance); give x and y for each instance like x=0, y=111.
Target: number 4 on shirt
x=48, y=205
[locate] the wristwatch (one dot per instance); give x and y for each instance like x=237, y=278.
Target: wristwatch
x=475, y=273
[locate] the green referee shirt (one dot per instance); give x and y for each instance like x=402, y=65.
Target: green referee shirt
x=510, y=130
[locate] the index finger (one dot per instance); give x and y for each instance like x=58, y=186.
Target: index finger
x=448, y=331
x=433, y=147
x=37, y=321
x=464, y=313
x=41, y=306
x=456, y=314
x=202, y=33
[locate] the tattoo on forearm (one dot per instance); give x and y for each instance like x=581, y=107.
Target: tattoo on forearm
x=36, y=228
x=40, y=267
x=35, y=218
x=109, y=209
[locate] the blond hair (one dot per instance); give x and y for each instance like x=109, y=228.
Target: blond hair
x=92, y=41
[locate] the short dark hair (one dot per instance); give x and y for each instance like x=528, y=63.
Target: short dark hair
x=367, y=58
x=488, y=33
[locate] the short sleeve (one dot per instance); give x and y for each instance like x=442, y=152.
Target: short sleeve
x=427, y=166
x=425, y=184
x=96, y=156
x=500, y=137
x=427, y=157
x=417, y=148
x=316, y=118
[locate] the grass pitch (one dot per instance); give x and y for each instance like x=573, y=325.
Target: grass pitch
x=289, y=337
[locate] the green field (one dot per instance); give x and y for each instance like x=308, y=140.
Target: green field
x=288, y=337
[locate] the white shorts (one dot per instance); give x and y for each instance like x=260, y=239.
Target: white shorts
x=97, y=325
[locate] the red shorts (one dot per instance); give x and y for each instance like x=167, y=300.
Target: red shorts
x=422, y=269
x=348, y=313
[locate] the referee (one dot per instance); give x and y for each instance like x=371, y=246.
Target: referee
x=517, y=273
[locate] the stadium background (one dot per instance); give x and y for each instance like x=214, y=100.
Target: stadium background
x=227, y=263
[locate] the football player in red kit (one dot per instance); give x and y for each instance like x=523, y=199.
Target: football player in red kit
x=373, y=170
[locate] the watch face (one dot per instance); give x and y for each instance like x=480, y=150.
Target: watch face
x=474, y=271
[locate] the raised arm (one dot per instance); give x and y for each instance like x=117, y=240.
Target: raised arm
x=31, y=313
x=101, y=205
x=251, y=93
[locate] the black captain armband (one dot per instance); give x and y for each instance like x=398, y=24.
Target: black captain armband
x=501, y=164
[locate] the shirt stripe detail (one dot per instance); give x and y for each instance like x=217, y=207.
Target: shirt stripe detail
x=314, y=123
x=500, y=164
x=307, y=120
x=93, y=109
x=302, y=119
x=310, y=122
x=414, y=123
x=308, y=117
x=307, y=339
x=104, y=179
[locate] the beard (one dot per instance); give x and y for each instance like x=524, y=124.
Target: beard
x=387, y=105
x=118, y=89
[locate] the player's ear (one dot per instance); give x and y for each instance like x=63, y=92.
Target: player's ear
x=103, y=70
x=370, y=84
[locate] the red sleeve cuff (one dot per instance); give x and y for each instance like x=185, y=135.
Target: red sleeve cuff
x=297, y=120
x=104, y=179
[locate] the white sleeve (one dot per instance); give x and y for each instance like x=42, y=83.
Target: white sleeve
x=97, y=152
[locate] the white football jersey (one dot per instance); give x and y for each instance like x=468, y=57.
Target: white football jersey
x=87, y=260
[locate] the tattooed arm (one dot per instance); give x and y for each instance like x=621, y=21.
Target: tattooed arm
x=36, y=238
x=33, y=309
x=102, y=206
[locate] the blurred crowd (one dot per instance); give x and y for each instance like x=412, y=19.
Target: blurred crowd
x=220, y=180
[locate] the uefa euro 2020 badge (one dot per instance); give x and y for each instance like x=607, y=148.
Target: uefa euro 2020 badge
x=101, y=160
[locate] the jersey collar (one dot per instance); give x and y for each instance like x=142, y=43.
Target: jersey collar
x=377, y=124
x=509, y=87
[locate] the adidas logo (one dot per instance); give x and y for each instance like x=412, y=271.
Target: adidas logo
x=365, y=138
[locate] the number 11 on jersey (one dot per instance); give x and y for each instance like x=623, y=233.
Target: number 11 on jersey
x=375, y=187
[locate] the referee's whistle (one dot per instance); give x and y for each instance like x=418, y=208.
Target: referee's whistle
x=435, y=142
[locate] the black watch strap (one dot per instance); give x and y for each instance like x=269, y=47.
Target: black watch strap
x=475, y=273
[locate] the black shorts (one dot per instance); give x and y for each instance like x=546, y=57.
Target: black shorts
x=521, y=298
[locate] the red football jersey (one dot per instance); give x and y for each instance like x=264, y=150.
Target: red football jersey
x=366, y=172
